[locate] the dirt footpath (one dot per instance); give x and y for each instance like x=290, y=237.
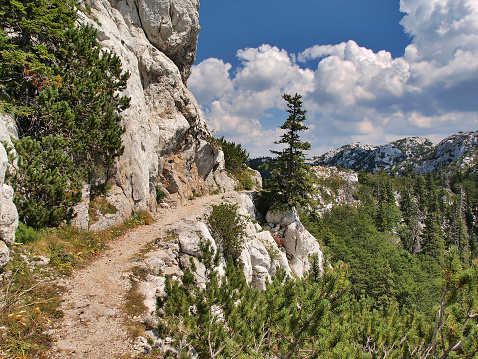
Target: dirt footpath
x=93, y=322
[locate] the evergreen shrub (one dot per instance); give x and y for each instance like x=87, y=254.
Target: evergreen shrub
x=46, y=182
x=25, y=234
x=227, y=227
x=235, y=157
x=159, y=194
x=64, y=91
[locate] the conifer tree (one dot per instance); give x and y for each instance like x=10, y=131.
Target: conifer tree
x=411, y=233
x=291, y=181
x=84, y=104
x=59, y=84
x=30, y=32
x=46, y=182
x=457, y=232
x=434, y=240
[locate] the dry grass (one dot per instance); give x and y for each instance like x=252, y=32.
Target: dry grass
x=134, y=301
x=145, y=217
x=29, y=297
x=28, y=304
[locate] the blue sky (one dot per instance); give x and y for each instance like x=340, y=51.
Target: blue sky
x=370, y=71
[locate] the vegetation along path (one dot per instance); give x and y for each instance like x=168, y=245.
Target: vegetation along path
x=93, y=325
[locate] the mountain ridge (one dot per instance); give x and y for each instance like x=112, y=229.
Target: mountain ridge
x=413, y=153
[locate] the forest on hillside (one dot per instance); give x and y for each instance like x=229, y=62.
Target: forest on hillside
x=400, y=282
x=400, y=279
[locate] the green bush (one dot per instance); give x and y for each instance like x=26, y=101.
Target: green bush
x=235, y=156
x=159, y=194
x=25, y=234
x=245, y=180
x=100, y=204
x=227, y=227
x=46, y=182
x=64, y=91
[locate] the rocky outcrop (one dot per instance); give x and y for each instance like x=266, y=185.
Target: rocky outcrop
x=299, y=244
x=334, y=187
x=256, y=179
x=167, y=143
x=8, y=211
x=173, y=27
x=459, y=150
x=283, y=244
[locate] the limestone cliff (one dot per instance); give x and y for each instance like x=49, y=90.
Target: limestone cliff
x=8, y=211
x=167, y=142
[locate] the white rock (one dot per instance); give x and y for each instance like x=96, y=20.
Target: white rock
x=152, y=288
x=205, y=234
x=257, y=179
x=3, y=163
x=8, y=215
x=81, y=219
x=281, y=218
x=280, y=260
x=260, y=276
x=189, y=243
x=245, y=203
x=167, y=142
x=173, y=27
x=190, y=234
x=245, y=258
x=8, y=130
x=116, y=197
x=4, y=254
x=154, y=264
x=259, y=254
x=299, y=243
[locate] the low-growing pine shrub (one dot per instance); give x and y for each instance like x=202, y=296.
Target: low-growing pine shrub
x=227, y=227
x=159, y=194
x=25, y=234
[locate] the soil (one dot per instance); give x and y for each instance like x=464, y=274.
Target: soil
x=94, y=322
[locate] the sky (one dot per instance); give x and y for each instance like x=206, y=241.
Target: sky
x=370, y=71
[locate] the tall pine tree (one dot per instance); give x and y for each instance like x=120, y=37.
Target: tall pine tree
x=291, y=181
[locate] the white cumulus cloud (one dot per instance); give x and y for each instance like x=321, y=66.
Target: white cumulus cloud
x=353, y=93
x=210, y=80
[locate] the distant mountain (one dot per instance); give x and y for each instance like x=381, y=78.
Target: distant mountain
x=357, y=156
x=456, y=151
x=408, y=154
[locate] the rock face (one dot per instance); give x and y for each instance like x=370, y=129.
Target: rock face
x=460, y=149
x=299, y=244
x=8, y=211
x=335, y=187
x=173, y=27
x=264, y=250
x=167, y=142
